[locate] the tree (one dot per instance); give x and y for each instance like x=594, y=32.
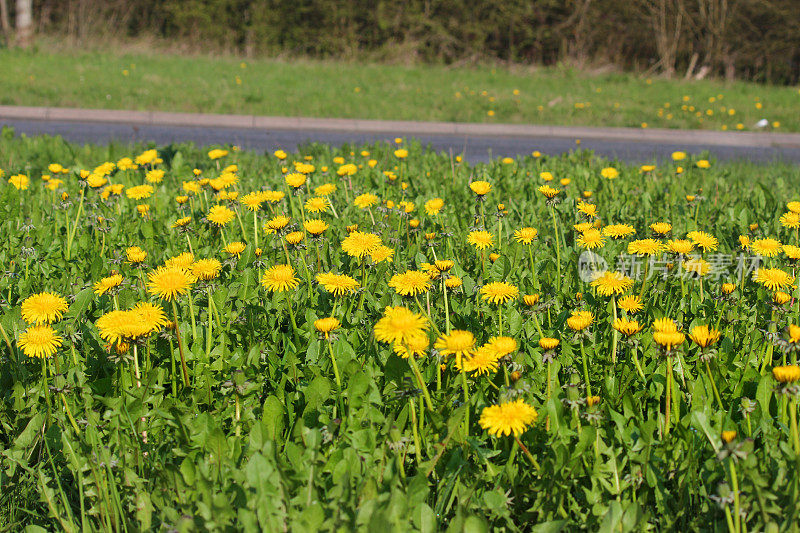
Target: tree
x=24, y=22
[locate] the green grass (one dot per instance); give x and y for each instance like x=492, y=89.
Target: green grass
x=211, y=84
x=278, y=428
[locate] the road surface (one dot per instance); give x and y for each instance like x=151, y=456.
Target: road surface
x=474, y=146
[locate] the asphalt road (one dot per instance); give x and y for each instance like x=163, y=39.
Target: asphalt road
x=474, y=148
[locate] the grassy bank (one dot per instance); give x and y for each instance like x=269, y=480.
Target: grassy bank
x=156, y=81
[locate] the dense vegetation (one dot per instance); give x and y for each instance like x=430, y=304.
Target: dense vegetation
x=749, y=39
x=214, y=340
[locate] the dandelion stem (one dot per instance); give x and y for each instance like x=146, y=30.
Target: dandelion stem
x=713, y=385
x=585, y=371
x=558, y=247
x=737, y=517
x=71, y=235
x=768, y=346
x=424, y=312
x=7, y=340
x=191, y=315
x=335, y=366
x=615, y=338
x=465, y=389
x=291, y=314
x=184, y=368
x=174, y=370
x=46, y=387
x=237, y=414
x=668, y=375
x=286, y=251
x=536, y=324
x=69, y=414
x=308, y=272
x=255, y=228
x=729, y=520
x=414, y=431
x=241, y=224
x=418, y=374
x=793, y=422
x=136, y=366
x=527, y=453
x=210, y=328
x=446, y=308
x=363, y=282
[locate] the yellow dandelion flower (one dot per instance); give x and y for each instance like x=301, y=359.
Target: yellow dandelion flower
x=580, y=320
x=365, y=200
x=135, y=255
x=280, y=278
x=591, y=239
x=183, y=260
x=206, y=269
x=381, y=253
x=295, y=237
x=630, y=304
x=276, y=223
x=626, y=326
x=295, y=179
x=773, y=278
x=169, y=282
x=790, y=220
x=315, y=227
x=220, y=215
x=499, y=292
x=704, y=336
x=645, y=247
x=482, y=361
x=766, y=247
x=458, y=343
x=317, y=204
x=548, y=191
x=399, y=325
x=610, y=283
x=480, y=188
x=139, y=192
x=359, y=244
x=40, y=341
x=108, y=283
x=786, y=374
x=434, y=206
x=526, y=235
x=508, y=418
x=703, y=240
x=416, y=345
x=43, y=308
x=480, y=239
x=327, y=325
x=337, y=284
x=680, y=246
x=235, y=248
x=618, y=231
x=410, y=283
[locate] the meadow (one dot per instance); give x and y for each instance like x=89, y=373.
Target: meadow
x=374, y=337
x=143, y=78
